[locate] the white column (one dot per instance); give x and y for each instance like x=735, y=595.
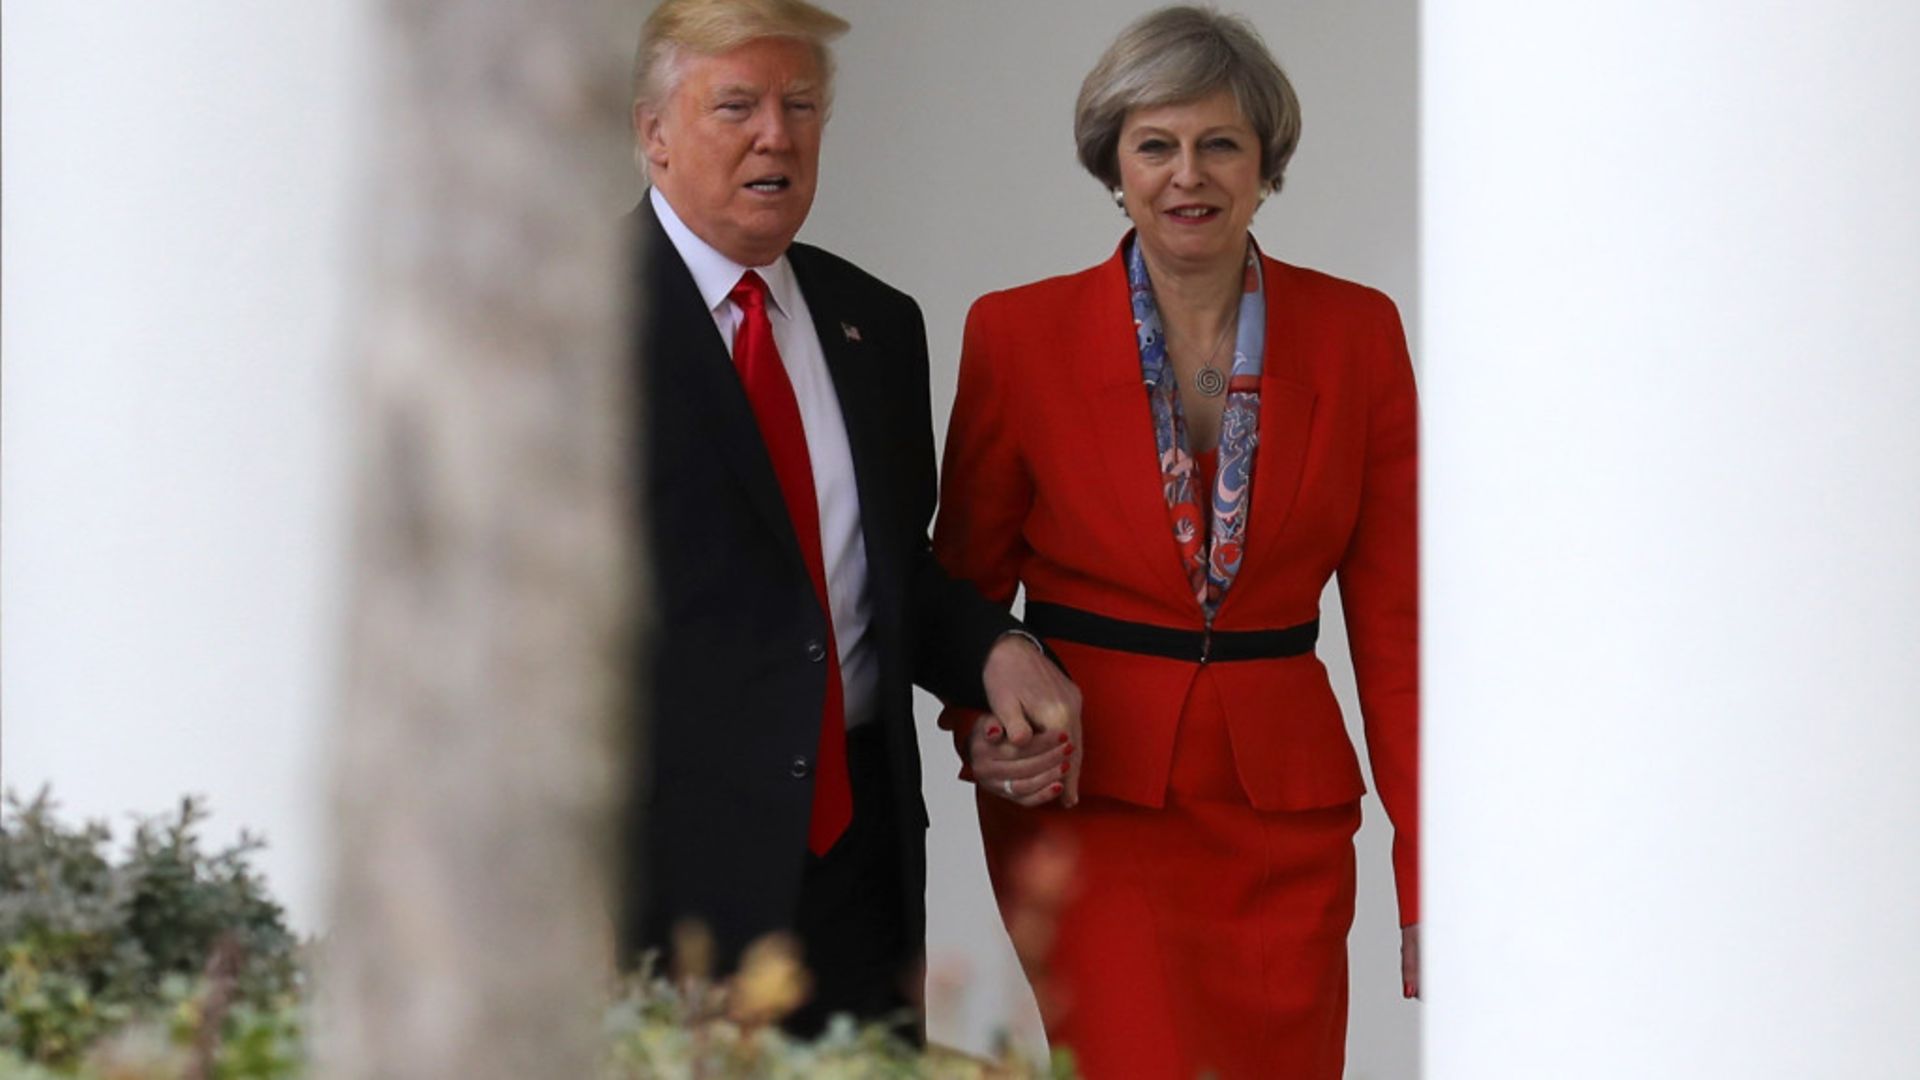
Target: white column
x=1671, y=260
x=178, y=182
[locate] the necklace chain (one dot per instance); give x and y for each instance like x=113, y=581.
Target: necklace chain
x=1208, y=381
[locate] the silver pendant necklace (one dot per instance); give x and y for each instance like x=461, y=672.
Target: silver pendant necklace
x=1208, y=381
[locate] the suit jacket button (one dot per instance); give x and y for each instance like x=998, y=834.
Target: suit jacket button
x=816, y=652
x=800, y=767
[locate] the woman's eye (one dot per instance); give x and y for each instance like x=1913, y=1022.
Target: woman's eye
x=1222, y=144
x=1153, y=146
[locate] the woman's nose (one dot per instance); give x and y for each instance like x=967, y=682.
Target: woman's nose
x=1186, y=170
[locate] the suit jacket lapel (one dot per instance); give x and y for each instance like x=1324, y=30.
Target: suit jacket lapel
x=684, y=341
x=1121, y=423
x=1122, y=426
x=860, y=387
x=1286, y=420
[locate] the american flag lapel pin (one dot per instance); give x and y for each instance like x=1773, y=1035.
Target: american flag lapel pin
x=852, y=331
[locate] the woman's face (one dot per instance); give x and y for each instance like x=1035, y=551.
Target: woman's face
x=1190, y=174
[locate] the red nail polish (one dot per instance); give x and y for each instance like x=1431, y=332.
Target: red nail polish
x=1064, y=768
x=1063, y=736
x=1057, y=789
x=993, y=731
x=1068, y=752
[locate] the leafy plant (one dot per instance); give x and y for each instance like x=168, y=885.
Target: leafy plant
x=171, y=936
x=689, y=1026
x=174, y=962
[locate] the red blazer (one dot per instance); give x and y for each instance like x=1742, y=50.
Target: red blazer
x=1051, y=480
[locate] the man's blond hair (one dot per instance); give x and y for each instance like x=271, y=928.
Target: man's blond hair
x=678, y=28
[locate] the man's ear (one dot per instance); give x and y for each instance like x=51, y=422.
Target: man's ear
x=649, y=134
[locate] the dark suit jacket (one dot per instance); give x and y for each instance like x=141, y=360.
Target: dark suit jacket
x=733, y=701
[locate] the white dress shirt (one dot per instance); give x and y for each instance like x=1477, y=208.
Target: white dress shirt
x=842, y=547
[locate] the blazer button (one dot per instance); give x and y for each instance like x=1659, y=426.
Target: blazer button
x=816, y=652
x=800, y=767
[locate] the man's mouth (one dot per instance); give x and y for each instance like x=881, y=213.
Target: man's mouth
x=769, y=185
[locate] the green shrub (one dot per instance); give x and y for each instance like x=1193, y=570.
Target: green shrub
x=173, y=961
x=170, y=937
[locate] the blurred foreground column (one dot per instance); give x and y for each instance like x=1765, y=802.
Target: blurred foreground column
x=475, y=779
x=1672, y=387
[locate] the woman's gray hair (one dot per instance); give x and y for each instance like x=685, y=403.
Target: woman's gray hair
x=1181, y=54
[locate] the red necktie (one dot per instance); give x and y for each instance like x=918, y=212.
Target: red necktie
x=778, y=412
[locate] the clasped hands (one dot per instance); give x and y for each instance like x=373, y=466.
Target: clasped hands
x=1027, y=749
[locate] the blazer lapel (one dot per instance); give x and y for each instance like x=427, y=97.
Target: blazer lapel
x=1286, y=419
x=1108, y=367
x=685, y=342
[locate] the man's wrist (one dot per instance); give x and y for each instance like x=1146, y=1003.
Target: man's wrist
x=1023, y=635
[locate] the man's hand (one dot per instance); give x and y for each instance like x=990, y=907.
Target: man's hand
x=1027, y=749
x=1410, y=961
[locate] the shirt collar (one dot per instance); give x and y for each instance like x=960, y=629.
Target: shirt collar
x=714, y=274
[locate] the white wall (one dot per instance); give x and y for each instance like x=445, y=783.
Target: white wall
x=949, y=170
x=177, y=181
x=1671, y=256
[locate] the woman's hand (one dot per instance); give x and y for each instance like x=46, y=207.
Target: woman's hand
x=1410, y=961
x=1025, y=750
x=1031, y=772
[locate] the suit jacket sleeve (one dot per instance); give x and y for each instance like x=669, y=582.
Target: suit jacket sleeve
x=985, y=491
x=1379, y=593
x=954, y=628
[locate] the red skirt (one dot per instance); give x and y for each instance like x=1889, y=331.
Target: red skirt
x=1205, y=936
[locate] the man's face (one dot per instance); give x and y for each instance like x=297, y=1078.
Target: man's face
x=737, y=147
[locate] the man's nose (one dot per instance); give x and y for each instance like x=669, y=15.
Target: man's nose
x=774, y=133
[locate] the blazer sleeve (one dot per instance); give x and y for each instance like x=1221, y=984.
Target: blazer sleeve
x=953, y=627
x=1379, y=593
x=985, y=489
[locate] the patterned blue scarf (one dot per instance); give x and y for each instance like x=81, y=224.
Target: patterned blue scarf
x=1211, y=557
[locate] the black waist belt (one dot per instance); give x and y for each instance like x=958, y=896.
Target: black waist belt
x=1197, y=646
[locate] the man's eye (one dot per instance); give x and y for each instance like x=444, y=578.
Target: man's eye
x=802, y=106
x=734, y=106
